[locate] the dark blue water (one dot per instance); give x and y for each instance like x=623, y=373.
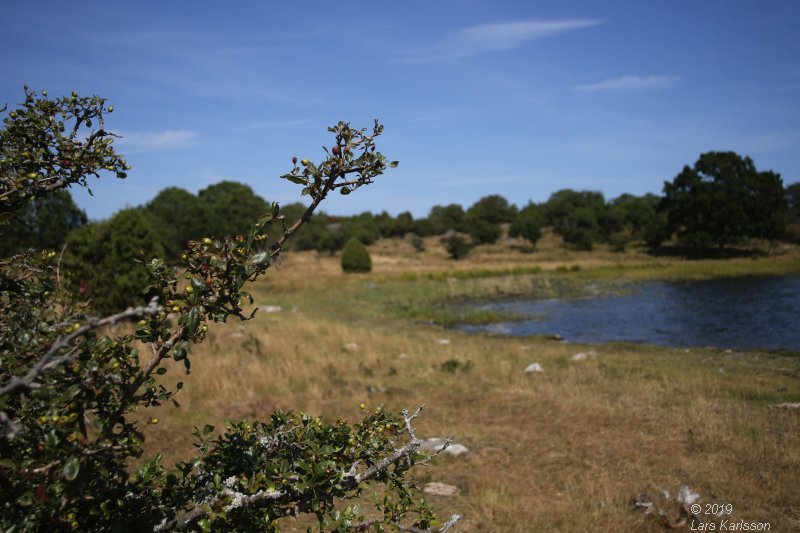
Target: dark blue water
x=738, y=313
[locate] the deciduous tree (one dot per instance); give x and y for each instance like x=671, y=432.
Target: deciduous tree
x=723, y=198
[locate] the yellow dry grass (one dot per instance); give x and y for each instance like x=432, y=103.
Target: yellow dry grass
x=563, y=450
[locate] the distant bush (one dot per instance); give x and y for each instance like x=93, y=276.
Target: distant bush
x=482, y=231
x=457, y=247
x=418, y=243
x=527, y=224
x=43, y=225
x=355, y=257
x=618, y=241
x=453, y=365
x=98, y=260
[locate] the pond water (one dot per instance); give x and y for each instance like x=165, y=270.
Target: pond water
x=738, y=313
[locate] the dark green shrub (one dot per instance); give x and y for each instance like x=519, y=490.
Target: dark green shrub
x=43, y=225
x=528, y=224
x=418, y=243
x=457, y=247
x=105, y=262
x=618, y=241
x=453, y=365
x=482, y=231
x=178, y=216
x=355, y=257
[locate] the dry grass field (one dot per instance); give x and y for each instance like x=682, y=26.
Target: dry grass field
x=561, y=450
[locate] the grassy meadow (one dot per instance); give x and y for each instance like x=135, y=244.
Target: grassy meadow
x=562, y=450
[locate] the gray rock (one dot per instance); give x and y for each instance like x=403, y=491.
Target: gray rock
x=441, y=489
x=534, y=368
x=583, y=356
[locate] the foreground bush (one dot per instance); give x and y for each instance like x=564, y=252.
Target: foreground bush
x=355, y=257
x=68, y=391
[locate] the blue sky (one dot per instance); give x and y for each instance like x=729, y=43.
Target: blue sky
x=478, y=97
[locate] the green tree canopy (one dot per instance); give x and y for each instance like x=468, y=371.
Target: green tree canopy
x=231, y=207
x=723, y=199
x=637, y=211
x=528, y=223
x=577, y=216
x=178, y=216
x=493, y=209
x=42, y=225
x=101, y=260
x=362, y=227
x=445, y=218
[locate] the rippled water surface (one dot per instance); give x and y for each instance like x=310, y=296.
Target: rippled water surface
x=726, y=313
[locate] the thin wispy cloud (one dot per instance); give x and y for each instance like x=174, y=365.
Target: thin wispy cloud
x=157, y=140
x=273, y=124
x=626, y=83
x=496, y=37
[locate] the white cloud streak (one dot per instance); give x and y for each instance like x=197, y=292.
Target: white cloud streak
x=492, y=38
x=626, y=83
x=157, y=140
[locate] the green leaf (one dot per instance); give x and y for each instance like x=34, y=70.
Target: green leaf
x=205, y=524
x=344, y=191
x=192, y=320
x=71, y=468
x=299, y=180
x=198, y=286
x=208, y=428
x=261, y=258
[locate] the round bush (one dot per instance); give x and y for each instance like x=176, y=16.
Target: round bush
x=355, y=257
x=457, y=247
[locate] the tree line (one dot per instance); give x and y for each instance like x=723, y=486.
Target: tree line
x=721, y=200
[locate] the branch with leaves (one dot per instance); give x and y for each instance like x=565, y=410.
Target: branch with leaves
x=70, y=389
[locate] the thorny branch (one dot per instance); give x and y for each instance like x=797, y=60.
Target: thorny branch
x=47, y=362
x=51, y=360
x=350, y=481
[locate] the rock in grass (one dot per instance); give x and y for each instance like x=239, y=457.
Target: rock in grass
x=534, y=368
x=440, y=489
x=583, y=356
x=786, y=405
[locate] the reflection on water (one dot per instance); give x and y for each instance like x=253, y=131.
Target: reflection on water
x=727, y=313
